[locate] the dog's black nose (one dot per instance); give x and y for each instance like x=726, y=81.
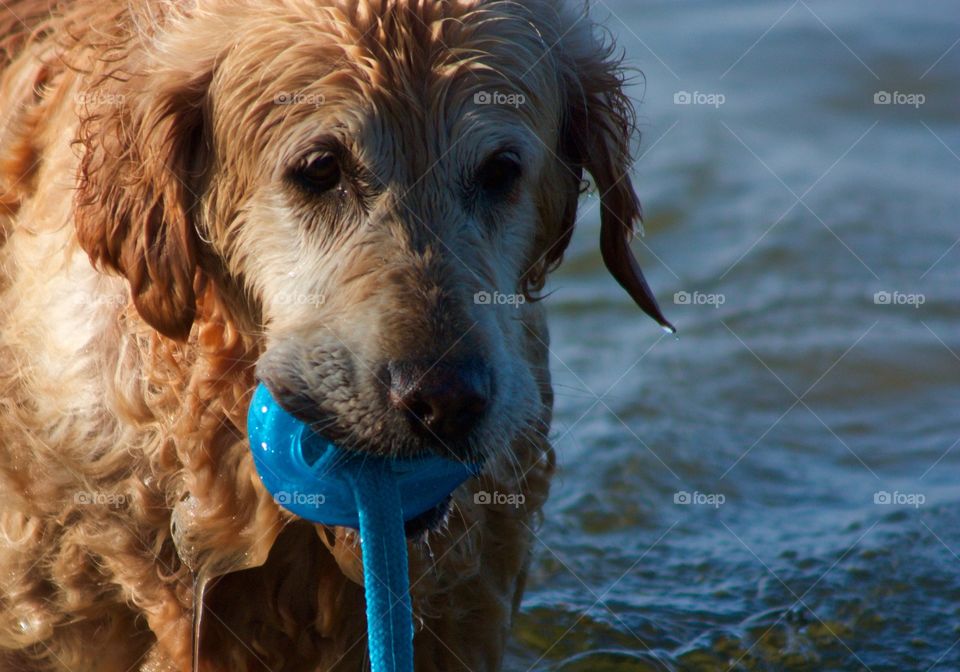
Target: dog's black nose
x=444, y=400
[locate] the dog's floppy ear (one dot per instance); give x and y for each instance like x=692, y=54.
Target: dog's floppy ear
x=141, y=138
x=595, y=136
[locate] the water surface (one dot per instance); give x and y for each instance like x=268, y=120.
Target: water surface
x=793, y=393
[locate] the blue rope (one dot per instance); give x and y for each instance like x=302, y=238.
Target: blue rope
x=320, y=482
x=386, y=580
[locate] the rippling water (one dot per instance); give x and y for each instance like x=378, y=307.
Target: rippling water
x=800, y=399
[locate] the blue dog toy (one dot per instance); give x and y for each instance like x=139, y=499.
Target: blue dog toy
x=318, y=481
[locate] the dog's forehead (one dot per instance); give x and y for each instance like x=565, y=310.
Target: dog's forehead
x=448, y=126
x=426, y=74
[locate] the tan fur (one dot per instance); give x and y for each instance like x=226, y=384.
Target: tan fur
x=144, y=242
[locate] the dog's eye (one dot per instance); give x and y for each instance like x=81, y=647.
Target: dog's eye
x=319, y=173
x=499, y=173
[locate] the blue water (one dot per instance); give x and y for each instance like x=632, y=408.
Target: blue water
x=792, y=395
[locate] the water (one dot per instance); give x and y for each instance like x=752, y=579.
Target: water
x=204, y=568
x=790, y=392
x=201, y=582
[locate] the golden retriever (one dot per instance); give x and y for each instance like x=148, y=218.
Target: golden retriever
x=354, y=201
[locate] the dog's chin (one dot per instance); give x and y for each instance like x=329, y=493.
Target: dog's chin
x=417, y=528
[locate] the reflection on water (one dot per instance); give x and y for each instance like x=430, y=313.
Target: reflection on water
x=803, y=238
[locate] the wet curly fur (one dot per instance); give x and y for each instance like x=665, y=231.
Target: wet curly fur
x=146, y=231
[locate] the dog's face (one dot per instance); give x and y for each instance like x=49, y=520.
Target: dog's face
x=399, y=202
x=385, y=184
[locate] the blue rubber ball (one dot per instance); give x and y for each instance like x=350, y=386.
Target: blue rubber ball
x=312, y=477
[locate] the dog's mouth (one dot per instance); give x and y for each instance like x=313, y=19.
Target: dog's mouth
x=402, y=446
x=382, y=438
x=418, y=527
x=344, y=542
x=429, y=521
x=421, y=479
x=406, y=410
x=358, y=438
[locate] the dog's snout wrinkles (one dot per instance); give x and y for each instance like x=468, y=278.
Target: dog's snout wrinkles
x=444, y=400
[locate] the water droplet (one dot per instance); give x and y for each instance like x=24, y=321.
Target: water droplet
x=199, y=588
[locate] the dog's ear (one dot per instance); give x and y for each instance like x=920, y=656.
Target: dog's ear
x=141, y=138
x=598, y=121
